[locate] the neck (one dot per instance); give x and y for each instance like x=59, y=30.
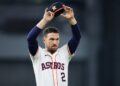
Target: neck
x=50, y=51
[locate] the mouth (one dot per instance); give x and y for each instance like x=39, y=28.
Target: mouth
x=54, y=46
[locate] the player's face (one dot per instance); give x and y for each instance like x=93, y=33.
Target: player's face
x=51, y=41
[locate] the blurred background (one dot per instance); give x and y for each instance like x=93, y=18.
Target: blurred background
x=97, y=59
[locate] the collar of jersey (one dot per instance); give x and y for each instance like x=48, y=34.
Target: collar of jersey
x=49, y=54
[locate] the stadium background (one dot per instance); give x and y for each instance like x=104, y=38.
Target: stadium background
x=97, y=60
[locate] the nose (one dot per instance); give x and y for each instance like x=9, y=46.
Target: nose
x=55, y=42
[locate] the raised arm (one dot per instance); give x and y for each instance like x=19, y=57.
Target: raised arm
x=74, y=41
x=36, y=30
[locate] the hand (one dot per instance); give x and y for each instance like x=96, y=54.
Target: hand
x=48, y=15
x=68, y=13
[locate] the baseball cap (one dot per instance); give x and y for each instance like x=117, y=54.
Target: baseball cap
x=57, y=8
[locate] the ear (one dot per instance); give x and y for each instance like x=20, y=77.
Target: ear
x=43, y=39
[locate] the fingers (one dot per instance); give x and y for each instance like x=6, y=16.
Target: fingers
x=63, y=15
x=67, y=8
x=46, y=9
x=49, y=13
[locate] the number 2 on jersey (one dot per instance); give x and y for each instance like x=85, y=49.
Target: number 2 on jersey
x=63, y=76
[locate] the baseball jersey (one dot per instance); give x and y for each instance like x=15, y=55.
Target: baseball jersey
x=51, y=69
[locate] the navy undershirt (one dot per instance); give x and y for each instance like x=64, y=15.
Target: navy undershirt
x=33, y=44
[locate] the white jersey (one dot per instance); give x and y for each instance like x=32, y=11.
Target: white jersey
x=51, y=70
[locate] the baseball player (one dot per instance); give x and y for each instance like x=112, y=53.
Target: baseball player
x=50, y=63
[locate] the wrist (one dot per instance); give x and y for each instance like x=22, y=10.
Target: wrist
x=72, y=21
x=42, y=23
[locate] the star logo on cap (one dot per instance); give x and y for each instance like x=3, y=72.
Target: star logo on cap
x=54, y=8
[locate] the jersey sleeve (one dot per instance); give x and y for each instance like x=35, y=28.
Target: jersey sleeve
x=37, y=55
x=74, y=41
x=32, y=39
x=65, y=50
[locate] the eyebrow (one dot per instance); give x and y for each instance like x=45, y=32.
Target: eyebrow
x=54, y=38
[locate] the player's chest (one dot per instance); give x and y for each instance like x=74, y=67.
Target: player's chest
x=52, y=62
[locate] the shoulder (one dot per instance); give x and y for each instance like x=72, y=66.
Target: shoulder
x=65, y=53
x=65, y=49
x=37, y=55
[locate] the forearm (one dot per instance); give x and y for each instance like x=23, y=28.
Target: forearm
x=74, y=41
x=42, y=24
x=32, y=36
x=72, y=21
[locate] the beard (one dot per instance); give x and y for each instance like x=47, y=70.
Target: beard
x=52, y=50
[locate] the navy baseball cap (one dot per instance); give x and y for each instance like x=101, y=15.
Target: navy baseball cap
x=57, y=8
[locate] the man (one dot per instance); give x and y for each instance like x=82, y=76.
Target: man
x=51, y=63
